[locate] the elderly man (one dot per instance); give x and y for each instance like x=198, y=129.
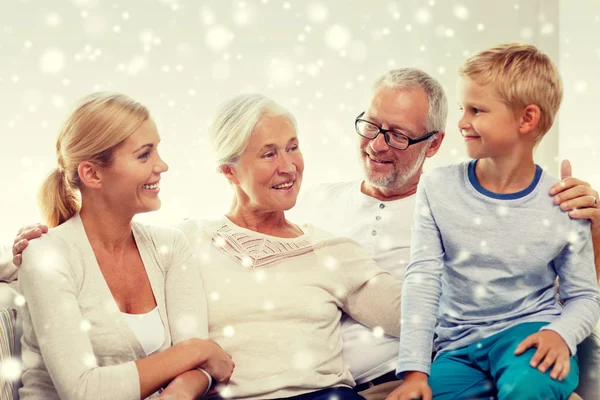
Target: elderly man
x=403, y=124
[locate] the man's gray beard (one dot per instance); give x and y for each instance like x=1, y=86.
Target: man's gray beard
x=398, y=177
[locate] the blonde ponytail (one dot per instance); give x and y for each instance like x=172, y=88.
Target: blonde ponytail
x=58, y=201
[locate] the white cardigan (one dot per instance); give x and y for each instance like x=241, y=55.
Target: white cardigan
x=76, y=343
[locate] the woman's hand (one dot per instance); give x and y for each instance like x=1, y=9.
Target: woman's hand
x=217, y=362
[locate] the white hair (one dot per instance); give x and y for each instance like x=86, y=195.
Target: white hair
x=408, y=78
x=235, y=121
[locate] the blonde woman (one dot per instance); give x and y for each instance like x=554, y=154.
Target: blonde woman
x=114, y=309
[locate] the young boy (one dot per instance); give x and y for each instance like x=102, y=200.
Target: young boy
x=488, y=245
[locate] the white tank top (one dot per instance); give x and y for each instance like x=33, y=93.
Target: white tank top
x=148, y=328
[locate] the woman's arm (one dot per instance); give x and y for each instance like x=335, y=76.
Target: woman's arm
x=187, y=313
x=48, y=284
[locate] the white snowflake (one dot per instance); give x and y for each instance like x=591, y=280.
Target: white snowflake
x=218, y=37
x=547, y=29
x=85, y=325
x=52, y=61
x=53, y=19
x=580, y=87
x=10, y=369
x=214, y=296
x=303, y=360
x=337, y=37
x=461, y=12
x=228, y=331
x=423, y=16
x=331, y=263
x=19, y=300
x=317, y=13
x=90, y=361
x=378, y=332
x=268, y=305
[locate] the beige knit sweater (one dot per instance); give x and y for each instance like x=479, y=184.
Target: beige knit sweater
x=76, y=343
x=275, y=304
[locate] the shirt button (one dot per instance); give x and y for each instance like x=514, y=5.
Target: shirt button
x=381, y=205
x=374, y=232
x=378, y=217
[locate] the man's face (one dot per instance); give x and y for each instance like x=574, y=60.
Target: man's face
x=405, y=111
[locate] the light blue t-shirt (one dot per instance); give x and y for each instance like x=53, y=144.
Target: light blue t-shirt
x=482, y=262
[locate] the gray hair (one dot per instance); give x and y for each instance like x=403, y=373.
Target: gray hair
x=409, y=78
x=235, y=121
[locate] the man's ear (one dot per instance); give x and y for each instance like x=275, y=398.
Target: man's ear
x=90, y=175
x=435, y=144
x=229, y=173
x=530, y=117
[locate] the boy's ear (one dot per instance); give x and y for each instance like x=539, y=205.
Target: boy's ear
x=90, y=175
x=229, y=173
x=530, y=117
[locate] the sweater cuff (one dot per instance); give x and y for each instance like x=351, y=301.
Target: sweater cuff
x=556, y=328
x=410, y=366
x=210, y=380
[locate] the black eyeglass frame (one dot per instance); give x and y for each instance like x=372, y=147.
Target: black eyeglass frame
x=387, y=136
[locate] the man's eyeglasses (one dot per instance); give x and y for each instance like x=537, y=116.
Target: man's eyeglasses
x=393, y=138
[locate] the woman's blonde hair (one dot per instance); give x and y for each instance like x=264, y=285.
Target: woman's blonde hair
x=97, y=126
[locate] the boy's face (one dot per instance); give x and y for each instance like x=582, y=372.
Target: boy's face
x=487, y=124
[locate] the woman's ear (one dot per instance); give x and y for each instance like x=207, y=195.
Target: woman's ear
x=89, y=175
x=230, y=173
x=530, y=117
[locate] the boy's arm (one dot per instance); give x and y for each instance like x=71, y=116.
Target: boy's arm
x=422, y=289
x=578, y=287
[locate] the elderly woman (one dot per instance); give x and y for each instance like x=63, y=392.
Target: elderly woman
x=276, y=290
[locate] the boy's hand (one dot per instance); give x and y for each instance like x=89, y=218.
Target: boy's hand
x=25, y=234
x=577, y=197
x=551, y=350
x=414, y=387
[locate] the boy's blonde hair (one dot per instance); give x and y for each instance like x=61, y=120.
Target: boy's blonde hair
x=521, y=75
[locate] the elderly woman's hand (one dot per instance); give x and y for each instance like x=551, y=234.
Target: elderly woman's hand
x=577, y=197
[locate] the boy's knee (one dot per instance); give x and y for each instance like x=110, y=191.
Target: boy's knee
x=535, y=385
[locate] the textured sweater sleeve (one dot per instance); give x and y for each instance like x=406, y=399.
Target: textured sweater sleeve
x=422, y=289
x=50, y=289
x=8, y=270
x=369, y=294
x=578, y=288
x=185, y=298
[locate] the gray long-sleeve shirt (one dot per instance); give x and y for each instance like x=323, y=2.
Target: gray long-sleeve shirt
x=482, y=262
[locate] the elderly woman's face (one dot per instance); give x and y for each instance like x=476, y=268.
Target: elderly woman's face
x=270, y=169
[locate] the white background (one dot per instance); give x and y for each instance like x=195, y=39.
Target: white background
x=318, y=58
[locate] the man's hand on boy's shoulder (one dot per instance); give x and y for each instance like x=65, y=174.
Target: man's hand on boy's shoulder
x=577, y=197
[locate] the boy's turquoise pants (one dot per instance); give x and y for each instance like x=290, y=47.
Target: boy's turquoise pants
x=489, y=370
